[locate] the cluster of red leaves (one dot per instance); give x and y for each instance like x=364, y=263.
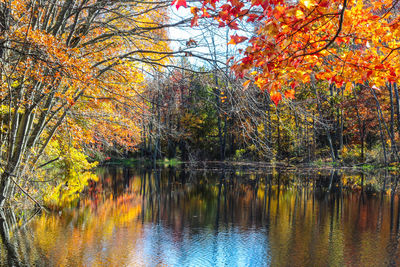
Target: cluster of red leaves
x=345, y=42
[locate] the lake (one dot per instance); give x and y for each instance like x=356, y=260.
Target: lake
x=214, y=217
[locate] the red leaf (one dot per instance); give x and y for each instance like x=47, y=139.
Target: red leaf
x=194, y=10
x=233, y=26
x=293, y=84
x=205, y=13
x=252, y=17
x=275, y=97
x=235, y=39
x=289, y=94
x=179, y=3
x=224, y=15
x=194, y=21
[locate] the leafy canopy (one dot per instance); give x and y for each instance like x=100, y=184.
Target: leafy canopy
x=344, y=42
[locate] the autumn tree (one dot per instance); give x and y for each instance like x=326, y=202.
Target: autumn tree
x=338, y=45
x=75, y=63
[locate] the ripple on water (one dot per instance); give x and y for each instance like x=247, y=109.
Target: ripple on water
x=203, y=225
x=206, y=247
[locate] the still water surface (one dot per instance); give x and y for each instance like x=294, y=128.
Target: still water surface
x=172, y=217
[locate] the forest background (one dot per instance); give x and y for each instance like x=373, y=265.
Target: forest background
x=89, y=81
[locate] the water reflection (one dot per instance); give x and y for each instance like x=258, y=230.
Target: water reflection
x=175, y=217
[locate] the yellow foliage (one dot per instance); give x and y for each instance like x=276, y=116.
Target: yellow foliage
x=72, y=170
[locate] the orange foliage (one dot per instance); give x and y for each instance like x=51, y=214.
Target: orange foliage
x=88, y=65
x=344, y=42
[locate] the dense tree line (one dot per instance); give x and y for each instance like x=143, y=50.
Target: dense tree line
x=71, y=76
x=274, y=81
x=326, y=74
x=197, y=120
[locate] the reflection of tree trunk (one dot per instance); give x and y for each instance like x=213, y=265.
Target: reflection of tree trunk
x=394, y=230
x=277, y=197
x=269, y=200
x=216, y=229
x=150, y=194
x=392, y=195
x=12, y=255
x=221, y=180
x=233, y=195
x=305, y=201
x=126, y=175
x=313, y=196
x=362, y=188
x=391, y=211
x=143, y=192
x=331, y=181
x=158, y=192
x=114, y=181
x=225, y=204
x=265, y=199
x=168, y=202
x=182, y=176
x=398, y=219
x=296, y=201
x=380, y=210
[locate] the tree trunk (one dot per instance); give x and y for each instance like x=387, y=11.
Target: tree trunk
x=5, y=187
x=391, y=126
x=328, y=134
x=396, y=93
x=361, y=125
